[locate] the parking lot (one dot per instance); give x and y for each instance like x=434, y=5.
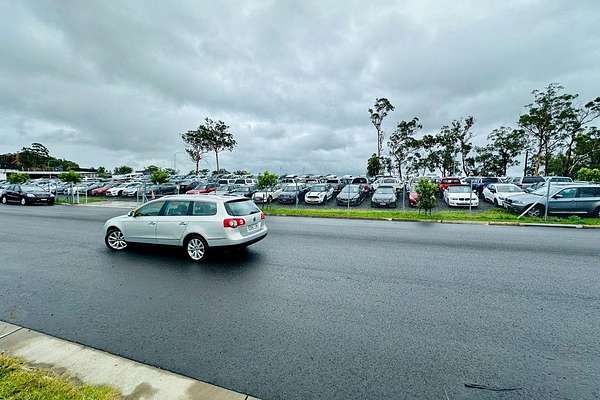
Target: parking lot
x=333, y=309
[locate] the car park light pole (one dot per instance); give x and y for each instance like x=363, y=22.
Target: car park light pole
x=547, y=201
x=470, y=194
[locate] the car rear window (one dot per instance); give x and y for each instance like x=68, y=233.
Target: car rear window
x=238, y=208
x=359, y=180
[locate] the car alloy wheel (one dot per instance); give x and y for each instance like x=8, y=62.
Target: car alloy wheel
x=3, y=200
x=23, y=201
x=536, y=211
x=196, y=249
x=115, y=240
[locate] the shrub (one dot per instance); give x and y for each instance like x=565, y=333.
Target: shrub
x=426, y=191
x=18, y=178
x=159, y=176
x=588, y=174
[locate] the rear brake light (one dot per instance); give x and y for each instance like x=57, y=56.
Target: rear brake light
x=233, y=222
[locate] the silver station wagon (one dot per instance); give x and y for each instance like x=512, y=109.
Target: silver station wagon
x=195, y=223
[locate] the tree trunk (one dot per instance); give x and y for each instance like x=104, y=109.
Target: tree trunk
x=217, y=158
x=197, y=164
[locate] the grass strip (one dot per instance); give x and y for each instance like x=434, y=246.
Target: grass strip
x=19, y=382
x=413, y=215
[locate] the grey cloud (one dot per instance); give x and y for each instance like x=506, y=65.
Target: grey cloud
x=113, y=82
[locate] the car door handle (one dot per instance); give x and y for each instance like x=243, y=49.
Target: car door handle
x=183, y=223
x=151, y=223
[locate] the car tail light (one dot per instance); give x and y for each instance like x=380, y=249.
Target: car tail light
x=233, y=222
x=262, y=215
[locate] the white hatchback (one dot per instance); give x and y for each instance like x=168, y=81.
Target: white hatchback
x=194, y=222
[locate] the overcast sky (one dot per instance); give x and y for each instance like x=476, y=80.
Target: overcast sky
x=116, y=82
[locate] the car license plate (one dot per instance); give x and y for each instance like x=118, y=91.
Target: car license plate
x=253, y=228
x=43, y=199
x=382, y=203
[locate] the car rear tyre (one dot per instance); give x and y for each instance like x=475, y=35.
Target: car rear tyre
x=23, y=202
x=115, y=240
x=496, y=203
x=196, y=248
x=537, y=211
x=596, y=213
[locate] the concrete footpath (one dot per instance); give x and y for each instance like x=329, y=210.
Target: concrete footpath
x=134, y=380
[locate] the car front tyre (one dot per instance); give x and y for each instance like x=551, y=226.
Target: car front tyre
x=537, y=211
x=115, y=240
x=4, y=201
x=196, y=248
x=23, y=202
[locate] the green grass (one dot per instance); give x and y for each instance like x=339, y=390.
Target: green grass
x=413, y=215
x=19, y=382
x=90, y=199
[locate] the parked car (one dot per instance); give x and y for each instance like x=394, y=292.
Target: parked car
x=555, y=179
x=526, y=181
x=245, y=182
x=413, y=196
x=461, y=196
x=319, y=194
x=384, y=196
x=292, y=192
x=197, y=224
x=479, y=184
x=580, y=199
x=267, y=195
x=132, y=191
x=352, y=195
x=223, y=189
x=100, y=191
x=202, y=188
x=336, y=183
x=165, y=189
x=246, y=191
x=26, y=194
x=447, y=182
x=364, y=182
x=118, y=189
x=497, y=192
x=388, y=181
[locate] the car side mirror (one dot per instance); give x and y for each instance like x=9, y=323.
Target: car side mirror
x=557, y=196
x=131, y=213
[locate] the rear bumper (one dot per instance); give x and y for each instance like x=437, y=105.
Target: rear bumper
x=237, y=240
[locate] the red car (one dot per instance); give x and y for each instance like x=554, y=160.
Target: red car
x=413, y=197
x=101, y=191
x=203, y=188
x=445, y=182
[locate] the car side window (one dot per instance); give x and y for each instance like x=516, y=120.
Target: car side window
x=568, y=193
x=589, y=192
x=204, y=208
x=176, y=208
x=150, y=210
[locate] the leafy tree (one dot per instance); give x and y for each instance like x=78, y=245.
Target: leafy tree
x=195, y=146
x=221, y=171
x=204, y=171
x=588, y=174
x=123, y=170
x=266, y=180
x=386, y=165
x=578, y=136
x=170, y=171
x=159, y=176
x=507, y=145
x=373, y=165
x=379, y=111
x=460, y=132
x=17, y=178
x=215, y=136
x=70, y=177
x=102, y=172
x=402, y=143
x=34, y=157
x=151, y=169
x=546, y=121
x=426, y=191
x=241, y=172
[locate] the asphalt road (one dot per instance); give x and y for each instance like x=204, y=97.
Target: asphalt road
x=323, y=309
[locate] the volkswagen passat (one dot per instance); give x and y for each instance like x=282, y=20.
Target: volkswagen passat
x=195, y=223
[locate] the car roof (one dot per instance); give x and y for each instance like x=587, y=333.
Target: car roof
x=208, y=196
